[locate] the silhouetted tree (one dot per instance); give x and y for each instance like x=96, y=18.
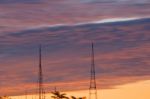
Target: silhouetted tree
x=5, y=97
x=58, y=95
x=73, y=97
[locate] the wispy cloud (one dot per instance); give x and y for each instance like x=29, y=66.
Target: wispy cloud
x=19, y=1
x=30, y=13
x=65, y=28
x=121, y=47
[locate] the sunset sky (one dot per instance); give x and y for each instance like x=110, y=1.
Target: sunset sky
x=120, y=30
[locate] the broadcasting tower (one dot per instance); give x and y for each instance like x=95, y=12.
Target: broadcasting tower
x=92, y=88
x=40, y=82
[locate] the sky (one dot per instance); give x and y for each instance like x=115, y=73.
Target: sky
x=120, y=92
x=65, y=28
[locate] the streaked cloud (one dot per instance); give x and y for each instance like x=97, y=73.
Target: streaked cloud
x=121, y=47
x=28, y=14
x=65, y=28
x=18, y=1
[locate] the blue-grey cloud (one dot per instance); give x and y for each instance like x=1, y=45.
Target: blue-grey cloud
x=19, y=1
x=25, y=14
x=121, y=55
x=122, y=48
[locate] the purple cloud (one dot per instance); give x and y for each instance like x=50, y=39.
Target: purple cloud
x=121, y=55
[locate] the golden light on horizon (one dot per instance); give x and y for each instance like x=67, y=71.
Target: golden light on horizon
x=137, y=90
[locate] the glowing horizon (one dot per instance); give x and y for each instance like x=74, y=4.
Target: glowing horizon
x=129, y=91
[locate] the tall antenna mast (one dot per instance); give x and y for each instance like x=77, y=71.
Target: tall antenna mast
x=41, y=91
x=92, y=88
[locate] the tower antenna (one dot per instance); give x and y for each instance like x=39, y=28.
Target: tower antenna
x=92, y=88
x=41, y=91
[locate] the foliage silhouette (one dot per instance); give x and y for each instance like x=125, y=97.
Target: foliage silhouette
x=58, y=95
x=5, y=97
x=73, y=97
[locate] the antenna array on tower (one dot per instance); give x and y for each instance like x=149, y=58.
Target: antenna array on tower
x=41, y=90
x=92, y=88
